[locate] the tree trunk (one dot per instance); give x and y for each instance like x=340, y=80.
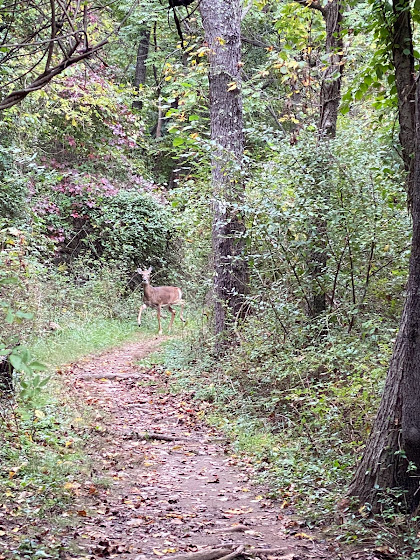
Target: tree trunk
x=411, y=365
x=395, y=437
x=405, y=83
x=382, y=466
x=330, y=97
x=141, y=68
x=221, y=21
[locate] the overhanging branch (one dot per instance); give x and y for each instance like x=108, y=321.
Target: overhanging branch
x=44, y=78
x=314, y=5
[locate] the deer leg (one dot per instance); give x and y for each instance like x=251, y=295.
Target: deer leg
x=172, y=318
x=158, y=316
x=182, y=311
x=139, y=317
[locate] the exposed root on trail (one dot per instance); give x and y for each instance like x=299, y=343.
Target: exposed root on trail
x=228, y=554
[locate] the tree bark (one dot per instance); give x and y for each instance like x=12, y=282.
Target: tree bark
x=391, y=459
x=405, y=83
x=330, y=95
x=141, y=68
x=329, y=102
x=221, y=22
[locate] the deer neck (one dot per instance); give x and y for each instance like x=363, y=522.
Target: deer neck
x=148, y=290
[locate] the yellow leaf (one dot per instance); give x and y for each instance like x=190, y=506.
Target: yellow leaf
x=303, y=536
x=12, y=474
x=232, y=86
x=71, y=486
x=220, y=40
x=157, y=552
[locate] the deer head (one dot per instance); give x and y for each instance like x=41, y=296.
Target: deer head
x=145, y=274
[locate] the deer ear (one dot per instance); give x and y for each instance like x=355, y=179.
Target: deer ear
x=149, y=269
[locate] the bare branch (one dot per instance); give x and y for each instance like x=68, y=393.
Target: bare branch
x=314, y=5
x=42, y=80
x=58, y=25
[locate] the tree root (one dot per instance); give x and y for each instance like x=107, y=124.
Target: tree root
x=214, y=554
x=153, y=435
x=228, y=553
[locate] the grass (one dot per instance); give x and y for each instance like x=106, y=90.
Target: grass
x=80, y=338
x=42, y=439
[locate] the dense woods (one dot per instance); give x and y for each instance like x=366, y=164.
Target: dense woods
x=263, y=156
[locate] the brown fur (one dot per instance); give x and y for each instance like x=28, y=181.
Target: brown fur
x=158, y=297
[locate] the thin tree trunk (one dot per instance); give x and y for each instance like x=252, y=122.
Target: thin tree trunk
x=330, y=97
x=141, y=68
x=221, y=21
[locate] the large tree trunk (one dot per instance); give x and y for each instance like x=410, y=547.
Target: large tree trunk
x=141, y=68
x=403, y=60
x=221, y=21
x=395, y=437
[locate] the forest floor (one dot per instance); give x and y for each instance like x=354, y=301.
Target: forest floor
x=162, y=483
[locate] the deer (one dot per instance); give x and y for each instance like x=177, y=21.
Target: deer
x=158, y=297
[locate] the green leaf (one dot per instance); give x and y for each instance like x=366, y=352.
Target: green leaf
x=16, y=362
x=38, y=366
x=45, y=381
x=8, y=280
x=24, y=315
x=178, y=141
x=10, y=316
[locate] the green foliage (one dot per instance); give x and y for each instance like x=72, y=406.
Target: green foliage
x=13, y=189
x=133, y=228
x=91, y=191
x=300, y=410
x=363, y=247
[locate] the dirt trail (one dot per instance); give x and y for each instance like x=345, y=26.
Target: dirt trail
x=168, y=497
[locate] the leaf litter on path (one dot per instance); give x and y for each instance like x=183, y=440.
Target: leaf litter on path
x=170, y=490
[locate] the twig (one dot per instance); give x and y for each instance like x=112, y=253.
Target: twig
x=257, y=551
x=152, y=435
x=215, y=554
x=234, y=554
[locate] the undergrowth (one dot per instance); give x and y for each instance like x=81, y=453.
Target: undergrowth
x=43, y=432
x=301, y=409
